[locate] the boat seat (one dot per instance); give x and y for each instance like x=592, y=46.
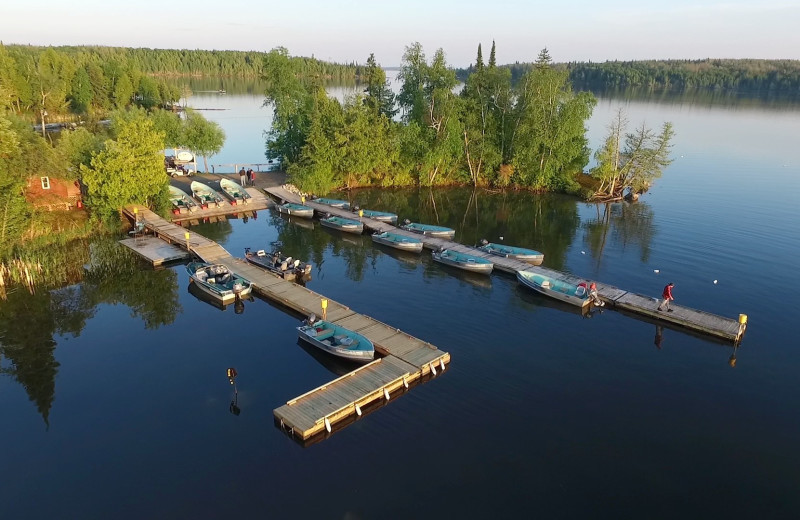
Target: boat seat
x=343, y=340
x=325, y=334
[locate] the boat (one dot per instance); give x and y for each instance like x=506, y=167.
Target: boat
x=206, y=196
x=236, y=193
x=181, y=202
x=275, y=262
x=296, y=210
x=517, y=253
x=467, y=262
x=380, y=216
x=428, y=230
x=559, y=289
x=396, y=241
x=219, y=282
x=343, y=224
x=333, y=202
x=336, y=340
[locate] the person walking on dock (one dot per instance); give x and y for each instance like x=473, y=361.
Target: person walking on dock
x=242, y=178
x=666, y=297
x=593, y=296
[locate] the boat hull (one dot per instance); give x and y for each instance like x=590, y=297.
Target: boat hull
x=332, y=342
x=430, y=231
x=350, y=226
x=557, y=289
x=381, y=216
x=517, y=253
x=296, y=210
x=334, y=203
x=464, y=262
x=398, y=242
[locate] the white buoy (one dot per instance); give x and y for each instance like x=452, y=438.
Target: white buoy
x=583, y=252
x=441, y=364
x=715, y=281
x=386, y=394
x=433, y=369
x=358, y=410
x=327, y=425
x=656, y=271
x=405, y=383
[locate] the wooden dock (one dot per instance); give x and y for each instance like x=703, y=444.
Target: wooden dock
x=156, y=251
x=405, y=359
x=696, y=320
x=257, y=202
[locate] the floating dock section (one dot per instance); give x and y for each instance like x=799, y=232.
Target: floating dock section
x=405, y=359
x=696, y=320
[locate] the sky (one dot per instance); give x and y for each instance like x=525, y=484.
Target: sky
x=348, y=31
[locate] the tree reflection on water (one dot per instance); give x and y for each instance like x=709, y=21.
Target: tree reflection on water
x=30, y=323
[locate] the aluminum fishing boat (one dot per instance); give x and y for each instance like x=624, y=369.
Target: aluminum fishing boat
x=467, y=262
x=518, y=253
x=343, y=224
x=217, y=281
x=429, y=230
x=397, y=241
x=559, y=289
x=337, y=340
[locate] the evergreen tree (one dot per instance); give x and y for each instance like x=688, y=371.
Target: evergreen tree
x=413, y=72
x=379, y=95
x=81, y=91
x=479, y=60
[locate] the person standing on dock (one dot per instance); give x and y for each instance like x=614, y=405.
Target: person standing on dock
x=666, y=297
x=251, y=176
x=242, y=178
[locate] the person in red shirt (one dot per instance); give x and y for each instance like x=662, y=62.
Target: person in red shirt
x=667, y=297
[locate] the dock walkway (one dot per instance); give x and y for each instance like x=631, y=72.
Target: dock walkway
x=405, y=358
x=614, y=297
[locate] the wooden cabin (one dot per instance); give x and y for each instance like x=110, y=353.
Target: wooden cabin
x=53, y=194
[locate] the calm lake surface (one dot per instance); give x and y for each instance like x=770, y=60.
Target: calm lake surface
x=116, y=404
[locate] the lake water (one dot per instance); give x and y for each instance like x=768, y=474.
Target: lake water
x=116, y=404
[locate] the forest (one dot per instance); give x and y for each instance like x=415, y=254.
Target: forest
x=745, y=75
